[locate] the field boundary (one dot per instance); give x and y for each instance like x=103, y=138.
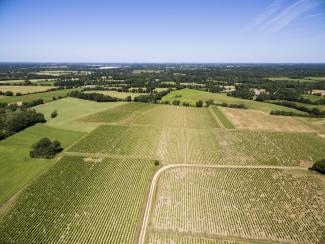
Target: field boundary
x=166, y=167
x=216, y=118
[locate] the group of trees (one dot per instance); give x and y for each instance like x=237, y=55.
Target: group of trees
x=313, y=112
x=14, y=119
x=93, y=96
x=44, y=148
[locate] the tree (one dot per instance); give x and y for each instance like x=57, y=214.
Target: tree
x=199, y=103
x=319, y=166
x=128, y=99
x=54, y=114
x=176, y=102
x=8, y=93
x=44, y=148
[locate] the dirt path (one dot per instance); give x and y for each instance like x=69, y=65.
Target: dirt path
x=164, y=168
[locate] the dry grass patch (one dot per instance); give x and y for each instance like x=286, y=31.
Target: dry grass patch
x=253, y=119
x=25, y=89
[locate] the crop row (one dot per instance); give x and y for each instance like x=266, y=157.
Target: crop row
x=261, y=204
x=162, y=238
x=177, y=116
x=138, y=141
x=81, y=201
x=238, y=147
x=119, y=113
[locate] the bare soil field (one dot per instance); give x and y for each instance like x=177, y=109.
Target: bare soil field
x=258, y=120
x=283, y=205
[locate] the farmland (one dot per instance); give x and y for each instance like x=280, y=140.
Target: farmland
x=120, y=140
x=25, y=89
x=236, y=147
x=258, y=120
x=64, y=204
x=46, y=96
x=121, y=95
x=240, y=203
x=22, y=168
x=155, y=172
x=192, y=96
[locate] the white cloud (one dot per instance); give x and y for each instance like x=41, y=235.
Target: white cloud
x=275, y=17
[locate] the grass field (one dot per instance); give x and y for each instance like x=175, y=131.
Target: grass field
x=17, y=168
x=306, y=79
x=258, y=120
x=139, y=142
x=192, y=96
x=81, y=200
x=221, y=117
x=46, y=96
x=25, y=89
x=243, y=204
x=121, y=95
x=310, y=106
x=70, y=110
x=312, y=98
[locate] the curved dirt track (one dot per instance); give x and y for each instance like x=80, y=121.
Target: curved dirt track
x=162, y=169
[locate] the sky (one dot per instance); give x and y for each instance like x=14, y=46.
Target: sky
x=193, y=31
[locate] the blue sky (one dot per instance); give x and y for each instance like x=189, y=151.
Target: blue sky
x=162, y=30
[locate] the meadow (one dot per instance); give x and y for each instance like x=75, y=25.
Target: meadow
x=78, y=200
x=240, y=203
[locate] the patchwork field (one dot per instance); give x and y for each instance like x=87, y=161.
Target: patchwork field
x=46, y=96
x=25, y=89
x=81, y=200
x=258, y=120
x=17, y=168
x=194, y=204
x=192, y=96
x=70, y=110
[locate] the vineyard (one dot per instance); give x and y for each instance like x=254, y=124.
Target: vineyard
x=140, y=141
x=158, y=238
x=238, y=147
x=119, y=113
x=258, y=204
x=81, y=200
x=177, y=116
